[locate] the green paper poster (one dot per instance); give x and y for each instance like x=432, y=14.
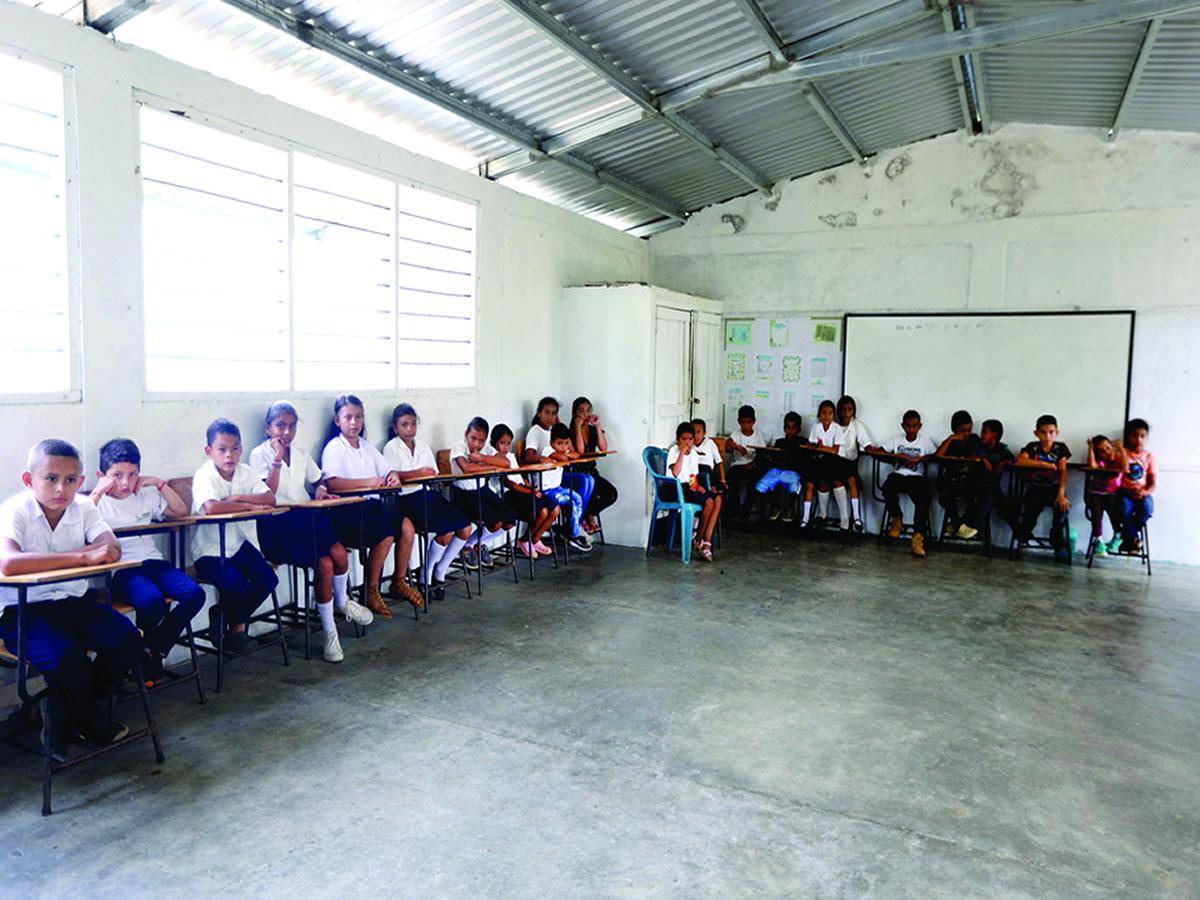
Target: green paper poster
x=738, y=332
x=825, y=333
x=779, y=333
x=791, y=369
x=764, y=368
x=735, y=366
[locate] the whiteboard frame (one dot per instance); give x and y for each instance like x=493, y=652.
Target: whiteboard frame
x=846, y=317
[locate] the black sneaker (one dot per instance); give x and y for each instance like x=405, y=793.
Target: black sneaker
x=437, y=591
x=104, y=734
x=238, y=642
x=152, y=668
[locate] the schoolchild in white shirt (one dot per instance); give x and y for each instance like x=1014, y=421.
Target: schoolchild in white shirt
x=474, y=498
x=712, y=463
x=431, y=514
x=683, y=464
x=312, y=538
x=909, y=449
x=522, y=496
x=827, y=471
x=855, y=439
x=537, y=438
x=743, y=465
x=48, y=527
x=349, y=462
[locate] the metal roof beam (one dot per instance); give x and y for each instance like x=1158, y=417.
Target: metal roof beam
x=861, y=28
x=566, y=39
x=979, y=91
x=395, y=72
x=120, y=13
x=960, y=73
x=1074, y=20
x=1135, y=75
x=763, y=28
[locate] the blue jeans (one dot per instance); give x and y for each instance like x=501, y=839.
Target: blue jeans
x=59, y=634
x=148, y=590
x=774, y=478
x=1135, y=513
x=567, y=497
x=582, y=484
x=243, y=583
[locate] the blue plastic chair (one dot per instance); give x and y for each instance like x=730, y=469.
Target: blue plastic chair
x=655, y=459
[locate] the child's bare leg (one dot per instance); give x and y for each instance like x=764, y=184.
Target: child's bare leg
x=341, y=560
x=375, y=559
x=404, y=547
x=324, y=585
x=709, y=517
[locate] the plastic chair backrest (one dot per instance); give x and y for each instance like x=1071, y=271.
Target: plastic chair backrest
x=655, y=459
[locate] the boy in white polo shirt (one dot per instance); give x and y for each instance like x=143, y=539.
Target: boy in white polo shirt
x=908, y=477
x=743, y=470
x=225, y=484
x=683, y=464
x=49, y=527
x=475, y=499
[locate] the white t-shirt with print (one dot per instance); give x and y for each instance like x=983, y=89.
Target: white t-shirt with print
x=754, y=439
x=146, y=506
x=23, y=521
x=914, y=449
x=294, y=477
x=401, y=459
x=688, y=469
x=207, y=484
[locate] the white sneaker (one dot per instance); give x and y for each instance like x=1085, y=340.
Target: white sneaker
x=333, y=648
x=966, y=532
x=357, y=613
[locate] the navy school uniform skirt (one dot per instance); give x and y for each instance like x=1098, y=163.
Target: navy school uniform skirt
x=300, y=537
x=442, y=516
x=471, y=502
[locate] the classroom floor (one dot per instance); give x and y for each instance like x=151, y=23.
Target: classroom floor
x=798, y=719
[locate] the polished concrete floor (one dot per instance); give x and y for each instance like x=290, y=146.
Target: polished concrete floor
x=794, y=720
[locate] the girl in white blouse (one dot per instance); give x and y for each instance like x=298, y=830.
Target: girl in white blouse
x=432, y=514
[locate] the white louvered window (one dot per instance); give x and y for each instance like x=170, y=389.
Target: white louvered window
x=343, y=277
x=377, y=293
x=35, y=305
x=435, y=284
x=214, y=223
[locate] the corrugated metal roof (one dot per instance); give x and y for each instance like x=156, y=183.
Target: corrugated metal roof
x=1168, y=96
x=1076, y=80
x=482, y=49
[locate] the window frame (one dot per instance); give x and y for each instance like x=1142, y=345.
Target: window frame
x=143, y=99
x=74, y=393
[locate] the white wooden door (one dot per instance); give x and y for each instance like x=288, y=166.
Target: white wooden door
x=706, y=369
x=672, y=378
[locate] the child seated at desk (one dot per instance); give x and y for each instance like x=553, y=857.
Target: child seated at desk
x=958, y=484
x=780, y=486
x=49, y=527
x=313, y=538
x=1137, y=486
x=1102, y=490
x=855, y=439
x=561, y=451
x=994, y=457
x=743, y=470
x=525, y=499
x=475, y=499
x=828, y=470
x=1047, y=458
x=224, y=484
x=126, y=497
x=683, y=464
x=910, y=449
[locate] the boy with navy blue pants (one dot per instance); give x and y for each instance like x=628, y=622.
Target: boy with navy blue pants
x=225, y=484
x=126, y=497
x=50, y=527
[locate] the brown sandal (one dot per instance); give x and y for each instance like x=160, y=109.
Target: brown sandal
x=376, y=603
x=402, y=590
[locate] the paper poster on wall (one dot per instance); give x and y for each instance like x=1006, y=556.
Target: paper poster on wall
x=735, y=366
x=764, y=367
x=762, y=398
x=825, y=333
x=739, y=332
x=735, y=396
x=818, y=367
x=792, y=369
x=779, y=333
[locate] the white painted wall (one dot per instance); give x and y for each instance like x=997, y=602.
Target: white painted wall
x=1030, y=218
x=528, y=251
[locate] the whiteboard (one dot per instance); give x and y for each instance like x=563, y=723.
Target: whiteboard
x=1008, y=366
x=778, y=364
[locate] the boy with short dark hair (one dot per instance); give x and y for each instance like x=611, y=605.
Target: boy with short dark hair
x=562, y=450
x=125, y=497
x=50, y=527
x=784, y=477
x=958, y=484
x=1137, y=485
x=1047, y=458
x=712, y=463
x=743, y=469
x=909, y=450
x=683, y=464
x=224, y=484
x=994, y=457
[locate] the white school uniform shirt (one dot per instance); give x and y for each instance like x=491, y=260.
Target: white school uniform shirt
x=854, y=439
x=754, y=438
x=23, y=520
x=207, y=484
x=340, y=460
x=462, y=451
x=146, y=506
x=552, y=478
x=537, y=438
x=922, y=446
x=826, y=437
x=494, y=481
x=294, y=477
x=688, y=469
x=708, y=452
x=401, y=459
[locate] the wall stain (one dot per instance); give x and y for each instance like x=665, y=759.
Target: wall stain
x=1005, y=186
x=831, y=178
x=847, y=219
x=898, y=164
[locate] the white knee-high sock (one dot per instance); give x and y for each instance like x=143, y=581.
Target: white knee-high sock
x=855, y=508
x=823, y=503
x=490, y=538
x=843, y=508
x=433, y=553
x=339, y=589
x=448, y=556
x=807, y=512
x=326, y=611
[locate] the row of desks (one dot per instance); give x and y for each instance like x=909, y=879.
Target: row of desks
x=886, y=457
